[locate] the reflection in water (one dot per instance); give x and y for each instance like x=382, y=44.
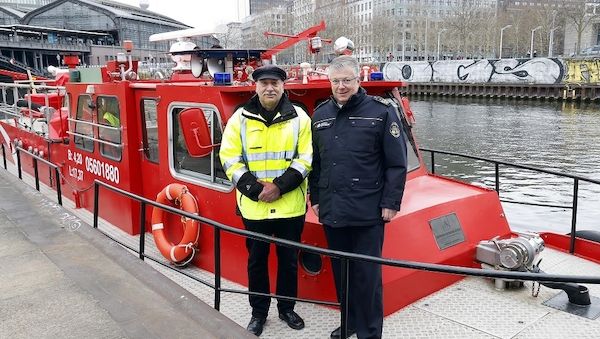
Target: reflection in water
x=551, y=135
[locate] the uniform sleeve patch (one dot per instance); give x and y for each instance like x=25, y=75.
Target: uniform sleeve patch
x=395, y=130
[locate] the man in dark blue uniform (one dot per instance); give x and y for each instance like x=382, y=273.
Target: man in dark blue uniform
x=356, y=186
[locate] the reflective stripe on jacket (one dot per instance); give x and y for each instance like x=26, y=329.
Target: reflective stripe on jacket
x=248, y=144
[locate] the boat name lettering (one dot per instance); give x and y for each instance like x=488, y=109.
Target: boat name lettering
x=76, y=173
x=75, y=156
x=102, y=169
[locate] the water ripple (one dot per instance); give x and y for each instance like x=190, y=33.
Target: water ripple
x=562, y=137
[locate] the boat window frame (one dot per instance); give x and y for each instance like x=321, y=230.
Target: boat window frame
x=89, y=139
x=102, y=126
x=199, y=179
x=145, y=143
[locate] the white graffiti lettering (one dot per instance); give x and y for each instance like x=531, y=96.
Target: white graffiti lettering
x=531, y=71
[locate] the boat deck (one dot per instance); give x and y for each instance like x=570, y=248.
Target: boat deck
x=470, y=308
x=62, y=279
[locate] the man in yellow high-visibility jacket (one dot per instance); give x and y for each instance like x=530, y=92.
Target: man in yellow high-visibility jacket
x=266, y=150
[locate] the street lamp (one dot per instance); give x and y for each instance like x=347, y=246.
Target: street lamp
x=501, y=34
x=438, y=42
x=532, y=35
x=551, y=43
x=403, y=43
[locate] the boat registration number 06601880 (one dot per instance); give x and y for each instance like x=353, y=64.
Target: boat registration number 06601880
x=102, y=169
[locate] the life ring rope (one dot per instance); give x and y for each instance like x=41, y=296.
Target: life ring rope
x=189, y=246
x=180, y=196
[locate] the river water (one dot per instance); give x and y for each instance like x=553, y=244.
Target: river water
x=564, y=137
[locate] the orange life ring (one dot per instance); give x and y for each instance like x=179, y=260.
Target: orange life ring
x=183, y=252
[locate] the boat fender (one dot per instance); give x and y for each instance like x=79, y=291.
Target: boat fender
x=588, y=235
x=182, y=253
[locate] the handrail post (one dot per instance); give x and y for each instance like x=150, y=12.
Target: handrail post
x=58, y=187
x=574, y=215
x=96, y=194
x=432, y=162
x=19, y=163
x=142, y=229
x=497, y=171
x=344, y=271
x=37, y=176
x=4, y=156
x=217, y=245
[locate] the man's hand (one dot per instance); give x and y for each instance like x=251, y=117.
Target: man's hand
x=387, y=214
x=315, y=209
x=270, y=192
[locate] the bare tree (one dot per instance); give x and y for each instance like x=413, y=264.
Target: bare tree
x=385, y=34
x=338, y=22
x=232, y=36
x=469, y=29
x=579, y=14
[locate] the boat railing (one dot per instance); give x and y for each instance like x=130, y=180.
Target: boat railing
x=14, y=92
x=36, y=82
x=577, y=179
x=344, y=257
x=92, y=138
x=79, y=135
x=36, y=159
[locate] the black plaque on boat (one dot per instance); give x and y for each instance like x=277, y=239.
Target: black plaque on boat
x=447, y=231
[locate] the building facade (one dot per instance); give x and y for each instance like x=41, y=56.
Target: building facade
x=258, y=6
x=92, y=28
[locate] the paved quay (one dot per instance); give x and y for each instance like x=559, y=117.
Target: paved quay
x=61, y=280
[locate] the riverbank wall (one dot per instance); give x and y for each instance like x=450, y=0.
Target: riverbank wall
x=537, y=78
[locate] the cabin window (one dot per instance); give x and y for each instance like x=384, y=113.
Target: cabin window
x=109, y=129
x=150, y=130
x=207, y=168
x=84, y=129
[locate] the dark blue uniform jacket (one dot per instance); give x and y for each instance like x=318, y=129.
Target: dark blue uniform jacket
x=359, y=161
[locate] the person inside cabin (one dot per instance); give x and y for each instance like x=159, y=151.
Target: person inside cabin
x=108, y=115
x=356, y=186
x=266, y=151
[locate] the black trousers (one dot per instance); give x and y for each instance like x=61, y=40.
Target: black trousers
x=365, y=304
x=287, y=263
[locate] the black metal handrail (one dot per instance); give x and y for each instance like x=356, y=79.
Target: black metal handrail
x=4, y=157
x=497, y=163
x=36, y=159
x=344, y=257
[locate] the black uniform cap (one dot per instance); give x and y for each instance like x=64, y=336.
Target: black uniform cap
x=269, y=72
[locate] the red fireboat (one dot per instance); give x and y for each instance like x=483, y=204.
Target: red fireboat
x=159, y=138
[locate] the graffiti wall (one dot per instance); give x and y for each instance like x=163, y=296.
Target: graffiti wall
x=531, y=71
x=582, y=71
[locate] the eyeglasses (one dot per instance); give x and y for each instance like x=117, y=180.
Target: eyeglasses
x=346, y=82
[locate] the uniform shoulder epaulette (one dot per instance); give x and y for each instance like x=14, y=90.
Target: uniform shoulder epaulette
x=382, y=100
x=322, y=103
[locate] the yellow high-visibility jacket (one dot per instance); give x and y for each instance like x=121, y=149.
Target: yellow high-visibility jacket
x=267, y=151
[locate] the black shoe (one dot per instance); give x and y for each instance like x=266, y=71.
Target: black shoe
x=256, y=325
x=337, y=333
x=292, y=319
